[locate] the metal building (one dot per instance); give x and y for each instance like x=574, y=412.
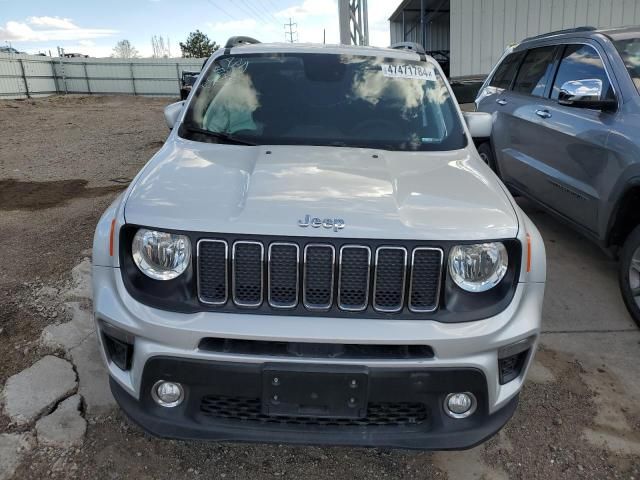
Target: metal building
x=470, y=35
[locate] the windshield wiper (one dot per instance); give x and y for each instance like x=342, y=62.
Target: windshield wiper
x=360, y=145
x=222, y=137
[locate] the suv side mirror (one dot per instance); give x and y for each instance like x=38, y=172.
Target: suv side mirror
x=480, y=124
x=585, y=93
x=172, y=112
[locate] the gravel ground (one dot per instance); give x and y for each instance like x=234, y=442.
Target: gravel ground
x=64, y=159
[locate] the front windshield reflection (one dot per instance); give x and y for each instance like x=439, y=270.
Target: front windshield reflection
x=325, y=99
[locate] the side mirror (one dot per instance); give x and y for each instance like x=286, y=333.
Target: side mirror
x=480, y=124
x=172, y=112
x=585, y=93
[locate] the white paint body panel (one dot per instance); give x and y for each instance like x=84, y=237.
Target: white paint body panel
x=398, y=195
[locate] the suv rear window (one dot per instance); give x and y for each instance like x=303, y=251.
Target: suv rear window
x=535, y=71
x=629, y=50
x=326, y=99
x=506, y=72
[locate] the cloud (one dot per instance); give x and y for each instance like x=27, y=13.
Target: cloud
x=234, y=25
x=45, y=29
x=310, y=8
x=53, y=22
x=379, y=13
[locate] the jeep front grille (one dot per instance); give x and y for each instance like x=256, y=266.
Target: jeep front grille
x=318, y=276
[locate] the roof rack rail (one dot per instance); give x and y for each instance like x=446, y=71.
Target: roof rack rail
x=412, y=46
x=560, y=32
x=237, y=41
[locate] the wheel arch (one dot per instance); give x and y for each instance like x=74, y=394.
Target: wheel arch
x=625, y=215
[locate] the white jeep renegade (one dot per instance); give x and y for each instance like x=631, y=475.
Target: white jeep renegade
x=318, y=255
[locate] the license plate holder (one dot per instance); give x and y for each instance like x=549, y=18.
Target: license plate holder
x=315, y=391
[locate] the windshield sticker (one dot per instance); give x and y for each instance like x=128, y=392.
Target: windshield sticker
x=413, y=72
x=224, y=69
x=227, y=65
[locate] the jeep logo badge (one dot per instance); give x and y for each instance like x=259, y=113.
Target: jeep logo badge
x=336, y=224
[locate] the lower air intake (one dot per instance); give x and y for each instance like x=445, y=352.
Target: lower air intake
x=249, y=410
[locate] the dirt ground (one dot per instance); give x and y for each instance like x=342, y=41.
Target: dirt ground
x=64, y=159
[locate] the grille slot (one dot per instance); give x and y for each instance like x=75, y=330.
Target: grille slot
x=391, y=269
x=244, y=409
x=319, y=262
x=353, y=283
x=212, y=272
x=248, y=262
x=284, y=273
x=426, y=268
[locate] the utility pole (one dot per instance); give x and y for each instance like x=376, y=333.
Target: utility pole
x=291, y=34
x=354, y=22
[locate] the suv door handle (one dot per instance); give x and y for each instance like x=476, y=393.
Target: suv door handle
x=501, y=101
x=543, y=113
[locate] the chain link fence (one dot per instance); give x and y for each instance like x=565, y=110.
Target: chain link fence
x=27, y=76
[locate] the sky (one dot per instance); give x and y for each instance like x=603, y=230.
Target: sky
x=94, y=27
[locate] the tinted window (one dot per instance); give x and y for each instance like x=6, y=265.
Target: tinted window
x=323, y=99
x=629, y=50
x=581, y=62
x=534, y=73
x=506, y=71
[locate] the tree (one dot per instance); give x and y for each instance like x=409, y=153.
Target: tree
x=198, y=45
x=124, y=49
x=161, y=47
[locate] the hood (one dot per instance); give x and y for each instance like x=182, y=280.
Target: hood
x=267, y=190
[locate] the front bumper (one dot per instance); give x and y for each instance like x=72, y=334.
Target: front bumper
x=465, y=358
x=222, y=403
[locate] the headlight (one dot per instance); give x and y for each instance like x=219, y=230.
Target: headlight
x=161, y=255
x=478, y=268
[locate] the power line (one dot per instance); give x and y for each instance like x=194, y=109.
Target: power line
x=275, y=7
x=252, y=12
x=290, y=34
x=232, y=17
x=264, y=8
x=263, y=15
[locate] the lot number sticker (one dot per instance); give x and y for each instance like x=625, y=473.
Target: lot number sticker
x=413, y=72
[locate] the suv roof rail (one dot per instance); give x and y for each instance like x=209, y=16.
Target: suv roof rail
x=240, y=40
x=412, y=46
x=560, y=32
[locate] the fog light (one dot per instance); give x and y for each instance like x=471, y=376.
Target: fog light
x=460, y=405
x=167, y=394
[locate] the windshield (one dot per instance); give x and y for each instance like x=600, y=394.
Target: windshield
x=629, y=50
x=325, y=99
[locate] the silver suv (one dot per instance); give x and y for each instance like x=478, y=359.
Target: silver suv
x=566, y=134
x=318, y=255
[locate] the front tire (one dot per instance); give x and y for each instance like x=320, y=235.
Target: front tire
x=629, y=274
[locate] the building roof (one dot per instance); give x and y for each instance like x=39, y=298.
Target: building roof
x=413, y=8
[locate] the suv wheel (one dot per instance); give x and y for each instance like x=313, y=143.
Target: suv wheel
x=630, y=274
x=486, y=154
